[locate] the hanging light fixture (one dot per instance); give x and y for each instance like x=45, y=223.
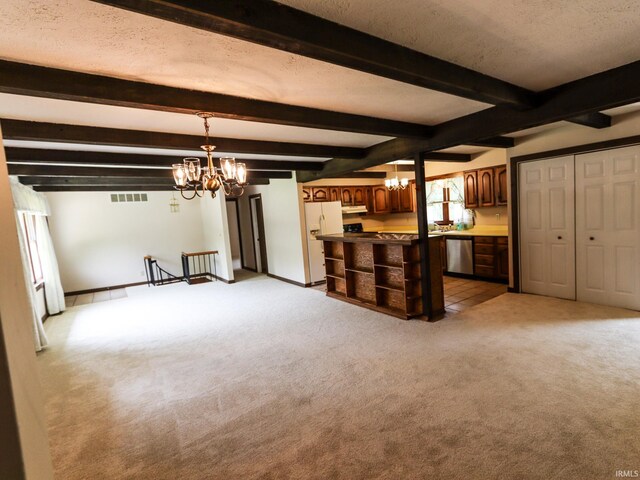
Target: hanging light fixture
x=191, y=176
x=395, y=183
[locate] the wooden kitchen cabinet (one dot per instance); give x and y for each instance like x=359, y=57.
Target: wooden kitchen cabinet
x=403, y=200
x=471, y=189
x=347, y=196
x=501, y=186
x=306, y=194
x=486, y=191
x=491, y=257
x=320, y=194
x=502, y=258
x=335, y=194
x=359, y=195
x=381, y=200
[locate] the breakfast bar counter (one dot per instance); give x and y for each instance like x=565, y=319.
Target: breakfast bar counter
x=382, y=272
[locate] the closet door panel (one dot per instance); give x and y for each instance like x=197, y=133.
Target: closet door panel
x=547, y=227
x=608, y=227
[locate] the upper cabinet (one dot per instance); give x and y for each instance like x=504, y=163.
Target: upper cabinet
x=501, y=185
x=347, y=196
x=320, y=194
x=334, y=194
x=486, y=191
x=381, y=201
x=306, y=194
x=360, y=195
x=471, y=189
x=486, y=187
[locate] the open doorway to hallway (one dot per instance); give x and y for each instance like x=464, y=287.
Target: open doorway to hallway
x=257, y=230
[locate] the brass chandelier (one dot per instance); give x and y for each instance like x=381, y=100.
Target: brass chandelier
x=395, y=183
x=190, y=176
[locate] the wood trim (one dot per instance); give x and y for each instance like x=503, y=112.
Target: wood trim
x=577, y=149
x=287, y=280
x=423, y=235
x=102, y=289
x=195, y=254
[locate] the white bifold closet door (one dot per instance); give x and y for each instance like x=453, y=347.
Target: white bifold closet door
x=547, y=227
x=608, y=227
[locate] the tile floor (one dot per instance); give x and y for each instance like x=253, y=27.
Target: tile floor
x=85, y=298
x=462, y=293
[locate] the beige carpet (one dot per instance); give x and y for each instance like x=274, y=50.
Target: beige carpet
x=265, y=380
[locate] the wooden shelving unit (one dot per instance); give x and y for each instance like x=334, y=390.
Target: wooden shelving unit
x=382, y=277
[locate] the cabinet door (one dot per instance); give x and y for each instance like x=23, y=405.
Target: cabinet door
x=306, y=195
x=471, y=189
x=347, y=196
x=381, y=200
x=320, y=194
x=486, y=192
x=334, y=194
x=406, y=198
x=368, y=199
x=501, y=185
x=394, y=201
x=359, y=196
x=502, y=261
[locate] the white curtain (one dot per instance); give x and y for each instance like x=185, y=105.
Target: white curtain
x=39, y=336
x=27, y=200
x=54, y=295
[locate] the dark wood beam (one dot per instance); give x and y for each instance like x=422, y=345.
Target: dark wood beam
x=609, y=89
x=102, y=180
x=593, y=120
x=41, y=155
x=279, y=26
x=32, y=80
x=59, y=132
x=363, y=175
x=447, y=157
x=42, y=170
x=495, y=142
x=118, y=188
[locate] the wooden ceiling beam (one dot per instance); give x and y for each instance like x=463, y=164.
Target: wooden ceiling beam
x=36, y=81
x=609, y=89
x=45, y=156
x=594, y=120
x=118, y=188
x=42, y=170
x=81, y=134
x=285, y=28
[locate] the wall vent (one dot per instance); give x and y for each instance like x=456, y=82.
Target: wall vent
x=128, y=197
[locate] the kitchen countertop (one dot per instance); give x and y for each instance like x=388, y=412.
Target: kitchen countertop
x=382, y=238
x=477, y=231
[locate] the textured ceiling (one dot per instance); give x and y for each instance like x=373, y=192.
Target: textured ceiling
x=536, y=44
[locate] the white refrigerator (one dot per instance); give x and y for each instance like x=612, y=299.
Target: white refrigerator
x=321, y=218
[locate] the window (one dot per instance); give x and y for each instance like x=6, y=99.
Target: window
x=445, y=200
x=29, y=230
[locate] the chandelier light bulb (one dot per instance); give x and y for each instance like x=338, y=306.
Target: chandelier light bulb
x=179, y=175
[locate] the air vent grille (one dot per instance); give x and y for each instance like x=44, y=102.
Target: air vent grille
x=128, y=197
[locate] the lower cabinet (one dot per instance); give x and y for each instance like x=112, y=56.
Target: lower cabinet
x=491, y=257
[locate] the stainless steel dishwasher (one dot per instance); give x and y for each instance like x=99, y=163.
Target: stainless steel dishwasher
x=460, y=255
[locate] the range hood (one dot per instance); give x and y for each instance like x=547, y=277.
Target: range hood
x=354, y=209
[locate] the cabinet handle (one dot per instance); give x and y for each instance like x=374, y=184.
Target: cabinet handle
x=559, y=237
x=591, y=238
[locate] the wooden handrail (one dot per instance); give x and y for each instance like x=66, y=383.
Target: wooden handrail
x=194, y=254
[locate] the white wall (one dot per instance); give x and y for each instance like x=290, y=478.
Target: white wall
x=101, y=244
x=216, y=233
x=18, y=369
x=283, y=212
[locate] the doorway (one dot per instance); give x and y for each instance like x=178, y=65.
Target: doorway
x=235, y=234
x=257, y=230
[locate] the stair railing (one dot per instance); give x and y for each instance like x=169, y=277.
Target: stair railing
x=197, y=266
x=156, y=275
